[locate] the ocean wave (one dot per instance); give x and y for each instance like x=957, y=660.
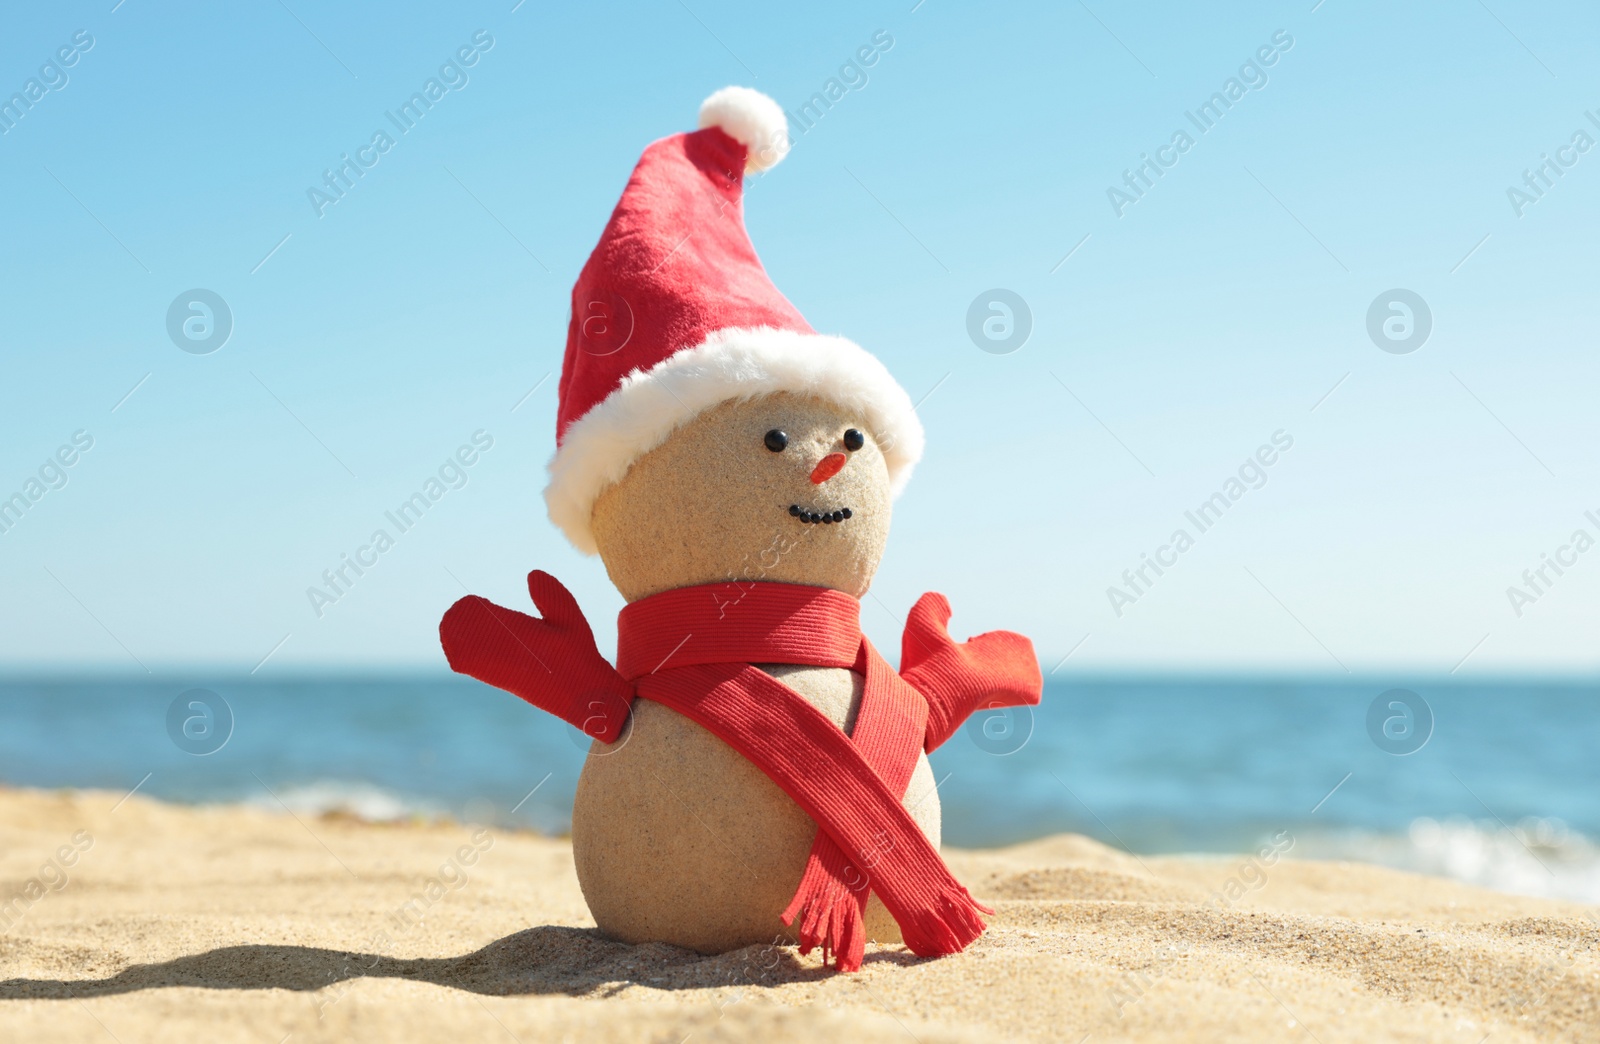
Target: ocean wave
x=365, y=801
x=1539, y=857
x=374, y=803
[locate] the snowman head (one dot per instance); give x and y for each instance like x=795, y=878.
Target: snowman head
x=778, y=487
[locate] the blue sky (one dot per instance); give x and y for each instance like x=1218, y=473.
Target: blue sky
x=1167, y=342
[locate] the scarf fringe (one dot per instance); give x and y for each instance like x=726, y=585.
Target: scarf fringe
x=830, y=918
x=947, y=925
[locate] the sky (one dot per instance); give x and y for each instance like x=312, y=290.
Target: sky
x=1187, y=307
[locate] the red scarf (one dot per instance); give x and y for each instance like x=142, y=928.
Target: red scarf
x=691, y=650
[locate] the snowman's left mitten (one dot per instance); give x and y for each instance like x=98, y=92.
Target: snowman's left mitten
x=552, y=662
x=996, y=669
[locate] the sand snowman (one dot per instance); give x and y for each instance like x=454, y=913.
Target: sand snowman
x=758, y=771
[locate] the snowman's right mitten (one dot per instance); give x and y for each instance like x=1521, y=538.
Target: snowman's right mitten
x=552, y=662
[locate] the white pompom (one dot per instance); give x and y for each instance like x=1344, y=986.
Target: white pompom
x=752, y=119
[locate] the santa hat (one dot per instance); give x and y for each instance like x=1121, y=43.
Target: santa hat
x=673, y=314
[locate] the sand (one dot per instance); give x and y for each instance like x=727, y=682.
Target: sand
x=238, y=924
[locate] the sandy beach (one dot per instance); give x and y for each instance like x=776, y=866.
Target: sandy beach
x=143, y=921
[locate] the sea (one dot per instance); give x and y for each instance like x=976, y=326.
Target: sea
x=1495, y=783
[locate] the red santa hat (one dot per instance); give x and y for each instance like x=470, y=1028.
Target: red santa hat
x=673, y=314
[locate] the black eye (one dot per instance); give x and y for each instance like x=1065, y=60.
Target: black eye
x=776, y=440
x=853, y=439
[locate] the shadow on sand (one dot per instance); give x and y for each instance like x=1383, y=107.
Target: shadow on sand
x=543, y=960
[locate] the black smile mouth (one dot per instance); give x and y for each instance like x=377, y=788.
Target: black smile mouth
x=814, y=517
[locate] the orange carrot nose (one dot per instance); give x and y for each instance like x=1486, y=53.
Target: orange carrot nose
x=827, y=467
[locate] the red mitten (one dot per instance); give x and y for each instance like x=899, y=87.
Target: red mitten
x=551, y=662
x=997, y=669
